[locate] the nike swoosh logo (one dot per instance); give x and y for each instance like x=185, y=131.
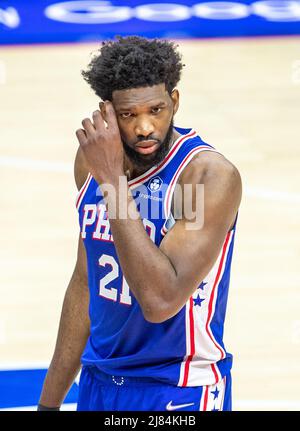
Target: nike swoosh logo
x=171, y=407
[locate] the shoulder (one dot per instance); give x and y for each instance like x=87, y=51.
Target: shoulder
x=209, y=167
x=222, y=187
x=80, y=169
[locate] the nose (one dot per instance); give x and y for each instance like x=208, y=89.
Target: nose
x=143, y=127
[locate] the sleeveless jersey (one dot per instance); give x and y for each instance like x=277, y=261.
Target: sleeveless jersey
x=185, y=350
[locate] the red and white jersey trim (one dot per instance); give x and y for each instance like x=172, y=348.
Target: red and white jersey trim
x=172, y=185
x=212, y=397
x=202, y=349
x=82, y=191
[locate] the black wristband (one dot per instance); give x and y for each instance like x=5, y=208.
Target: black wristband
x=41, y=408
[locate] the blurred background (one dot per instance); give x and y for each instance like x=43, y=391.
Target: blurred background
x=240, y=90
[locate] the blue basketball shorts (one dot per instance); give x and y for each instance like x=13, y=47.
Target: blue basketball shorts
x=99, y=391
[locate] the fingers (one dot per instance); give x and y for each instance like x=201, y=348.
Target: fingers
x=98, y=119
x=97, y=123
x=81, y=136
x=111, y=118
x=88, y=126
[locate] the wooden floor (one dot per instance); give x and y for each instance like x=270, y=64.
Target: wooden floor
x=242, y=96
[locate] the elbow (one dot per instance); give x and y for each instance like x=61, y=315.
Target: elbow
x=154, y=318
x=158, y=314
x=159, y=305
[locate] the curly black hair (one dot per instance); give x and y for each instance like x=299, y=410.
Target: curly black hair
x=133, y=62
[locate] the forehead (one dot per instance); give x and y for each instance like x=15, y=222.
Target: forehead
x=138, y=97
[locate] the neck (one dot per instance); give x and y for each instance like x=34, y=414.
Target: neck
x=132, y=171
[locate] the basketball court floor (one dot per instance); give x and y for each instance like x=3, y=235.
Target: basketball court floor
x=243, y=97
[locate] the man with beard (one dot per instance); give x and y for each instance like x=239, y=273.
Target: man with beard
x=144, y=310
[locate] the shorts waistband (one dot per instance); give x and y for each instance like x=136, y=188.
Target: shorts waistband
x=118, y=380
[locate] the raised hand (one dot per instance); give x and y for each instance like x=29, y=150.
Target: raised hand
x=101, y=144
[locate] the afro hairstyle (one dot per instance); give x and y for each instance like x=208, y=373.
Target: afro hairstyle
x=133, y=62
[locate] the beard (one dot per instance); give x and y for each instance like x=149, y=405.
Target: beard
x=147, y=161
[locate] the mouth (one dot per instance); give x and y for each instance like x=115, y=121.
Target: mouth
x=146, y=147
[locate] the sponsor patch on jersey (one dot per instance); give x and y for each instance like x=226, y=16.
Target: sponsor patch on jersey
x=155, y=184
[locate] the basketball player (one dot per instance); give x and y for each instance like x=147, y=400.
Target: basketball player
x=144, y=311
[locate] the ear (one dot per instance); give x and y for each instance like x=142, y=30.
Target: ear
x=175, y=100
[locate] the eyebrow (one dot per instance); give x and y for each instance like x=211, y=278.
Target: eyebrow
x=153, y=105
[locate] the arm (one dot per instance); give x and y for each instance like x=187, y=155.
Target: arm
x=73, y=328
x=163, y=278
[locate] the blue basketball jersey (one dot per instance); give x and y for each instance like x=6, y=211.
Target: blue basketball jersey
x=185, y=350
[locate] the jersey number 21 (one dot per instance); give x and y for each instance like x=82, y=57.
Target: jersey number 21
x=111, y=292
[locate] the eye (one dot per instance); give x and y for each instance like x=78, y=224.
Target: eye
x=156, y=110
x=125, y=114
